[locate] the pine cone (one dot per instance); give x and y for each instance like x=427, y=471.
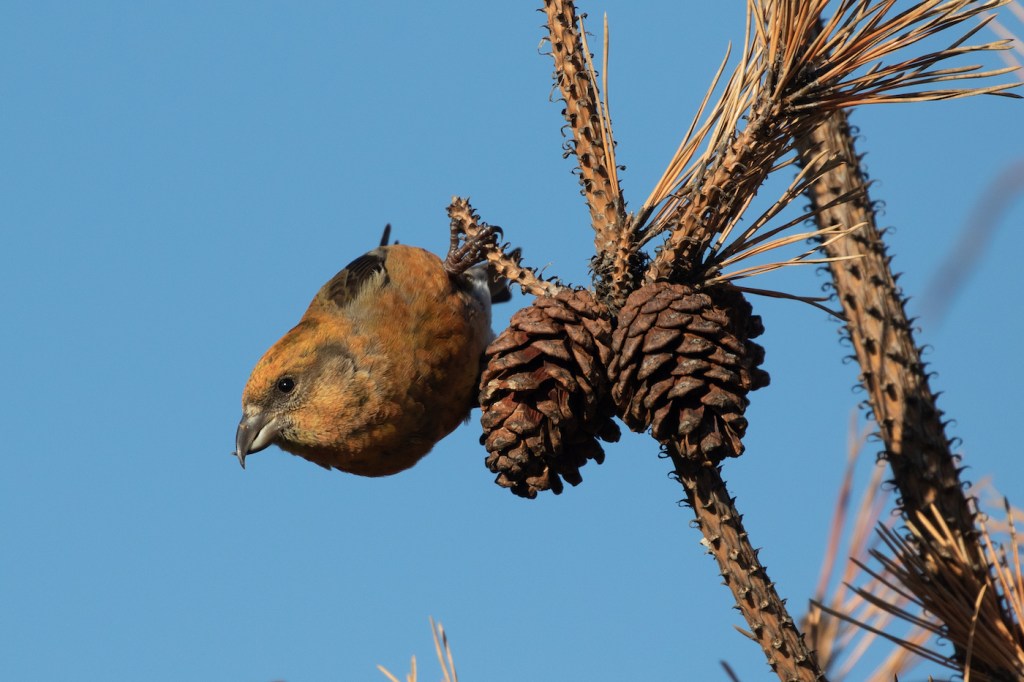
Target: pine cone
x=545, y=395
x=683, y=365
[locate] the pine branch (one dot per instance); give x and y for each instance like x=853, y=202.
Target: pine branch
x=465, y=220
x=771, y=626
x=589, y=121
x=791, y=77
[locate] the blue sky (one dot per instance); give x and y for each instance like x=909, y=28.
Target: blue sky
x=177, y=181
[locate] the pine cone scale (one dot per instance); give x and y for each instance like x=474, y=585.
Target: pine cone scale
x=683, y=363
x=551, y=364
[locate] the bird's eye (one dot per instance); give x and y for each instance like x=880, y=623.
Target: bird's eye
x=285, y=384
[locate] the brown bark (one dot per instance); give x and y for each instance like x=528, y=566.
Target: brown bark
x=770, y=624
x=583, y=114
x=924, y=469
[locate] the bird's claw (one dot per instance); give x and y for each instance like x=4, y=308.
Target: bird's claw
x=473, y=249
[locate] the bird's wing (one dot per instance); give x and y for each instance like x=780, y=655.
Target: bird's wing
x=344, y=286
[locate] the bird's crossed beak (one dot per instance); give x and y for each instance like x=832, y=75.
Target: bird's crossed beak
x=255, y=432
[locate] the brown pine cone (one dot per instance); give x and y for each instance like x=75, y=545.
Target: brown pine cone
x=683, y=364
x=545, y=396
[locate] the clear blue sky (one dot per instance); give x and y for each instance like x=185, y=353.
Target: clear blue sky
x=178, y=179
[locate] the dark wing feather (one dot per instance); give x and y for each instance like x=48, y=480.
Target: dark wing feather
x=345, y=285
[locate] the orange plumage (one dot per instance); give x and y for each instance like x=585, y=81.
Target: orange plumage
x=383, y=364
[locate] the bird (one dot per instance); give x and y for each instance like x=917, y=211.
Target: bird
x=383, y=364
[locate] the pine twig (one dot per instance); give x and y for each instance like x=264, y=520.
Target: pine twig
x=789, y=78
x=841, y=646
x=961, y=607
x=589, y=121
x=770, y=624
x=923, y=466
x=465, y=220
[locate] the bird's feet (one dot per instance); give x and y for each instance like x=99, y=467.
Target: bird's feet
x=470, y=248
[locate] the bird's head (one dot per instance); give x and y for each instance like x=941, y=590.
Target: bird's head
x=295, y=392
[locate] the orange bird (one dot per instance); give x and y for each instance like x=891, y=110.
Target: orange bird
x=383, y=364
